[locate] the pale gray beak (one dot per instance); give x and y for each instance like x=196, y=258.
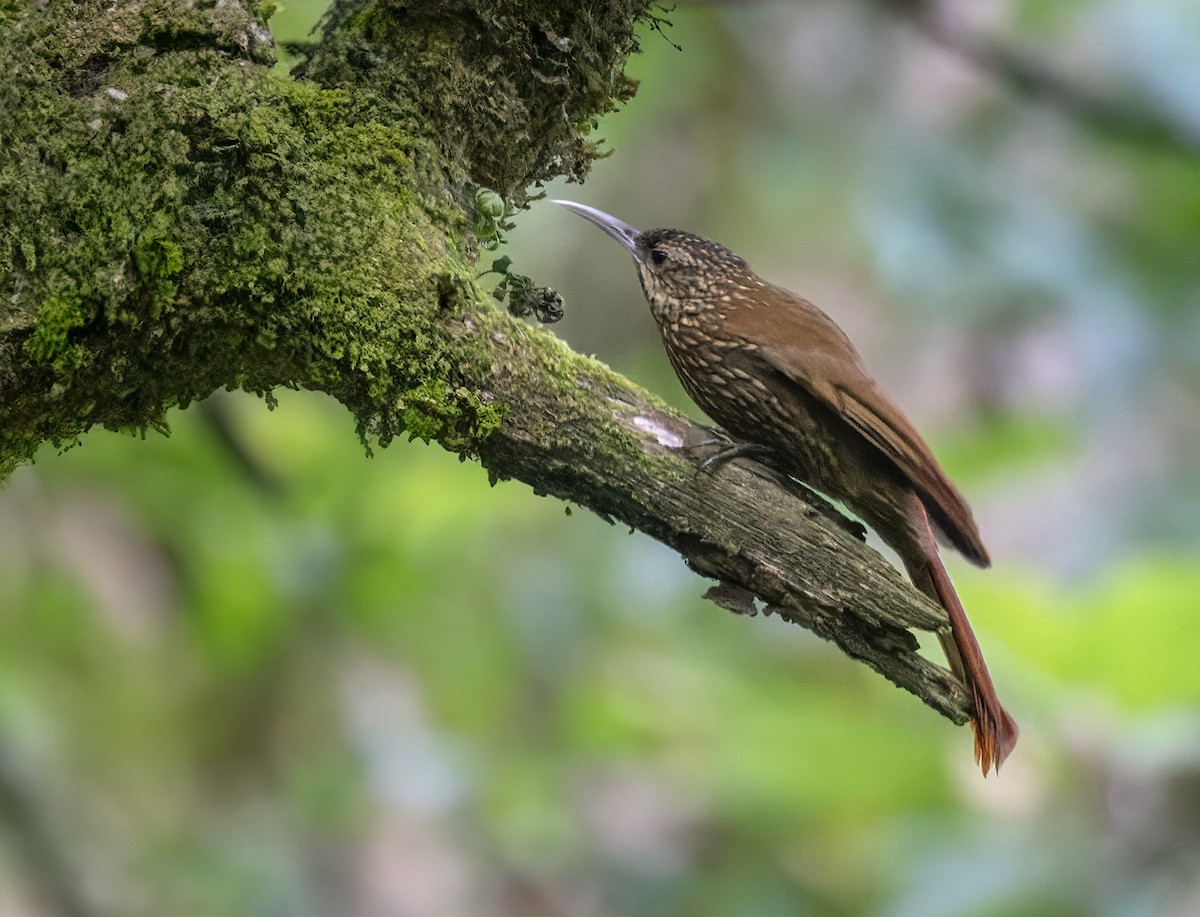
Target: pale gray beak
x=622, y=232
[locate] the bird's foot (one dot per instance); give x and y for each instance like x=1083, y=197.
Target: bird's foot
x=726, y=452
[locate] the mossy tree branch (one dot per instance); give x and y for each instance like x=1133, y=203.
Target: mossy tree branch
x=176, y=218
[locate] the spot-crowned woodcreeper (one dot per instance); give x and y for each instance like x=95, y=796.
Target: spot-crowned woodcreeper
x=776, y=373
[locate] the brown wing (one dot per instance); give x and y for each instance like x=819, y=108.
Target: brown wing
x=814, y=353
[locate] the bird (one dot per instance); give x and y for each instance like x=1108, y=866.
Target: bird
x=781, y=378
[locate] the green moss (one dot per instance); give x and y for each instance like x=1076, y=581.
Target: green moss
x=458, y=418
x=183, y=220
x=61, y=313
x=159, y=260
x=509, y=93
x=263, y=10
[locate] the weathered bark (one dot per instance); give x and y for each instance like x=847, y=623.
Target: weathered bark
x=177, y=218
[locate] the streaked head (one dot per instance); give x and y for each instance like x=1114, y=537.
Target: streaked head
x=680, y=271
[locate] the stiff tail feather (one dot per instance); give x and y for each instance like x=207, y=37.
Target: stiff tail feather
x=995, y=731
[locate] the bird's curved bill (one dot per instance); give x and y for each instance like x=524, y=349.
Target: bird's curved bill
x=622, y=232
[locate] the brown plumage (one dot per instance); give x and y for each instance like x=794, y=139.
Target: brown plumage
x=773, y=370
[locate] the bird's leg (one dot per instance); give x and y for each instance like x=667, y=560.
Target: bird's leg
x=727, y=452
x=697, y=448
x=768, y=466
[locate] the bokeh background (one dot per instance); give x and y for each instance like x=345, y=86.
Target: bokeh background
x=244, y=669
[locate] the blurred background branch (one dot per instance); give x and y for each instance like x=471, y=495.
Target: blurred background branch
x=1034, y=77
x=47, y=863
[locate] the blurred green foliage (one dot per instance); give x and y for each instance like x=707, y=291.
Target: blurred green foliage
x=245, y=669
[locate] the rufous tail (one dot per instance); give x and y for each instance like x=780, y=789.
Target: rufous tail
x=995, y=731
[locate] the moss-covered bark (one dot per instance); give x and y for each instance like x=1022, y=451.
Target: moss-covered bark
x=176, y=218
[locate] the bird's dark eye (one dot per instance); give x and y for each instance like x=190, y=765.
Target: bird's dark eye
x=657, y=255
